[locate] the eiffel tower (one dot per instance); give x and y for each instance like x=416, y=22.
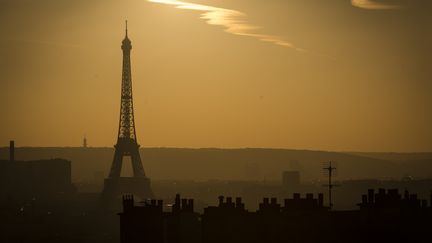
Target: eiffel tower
x=127, y=145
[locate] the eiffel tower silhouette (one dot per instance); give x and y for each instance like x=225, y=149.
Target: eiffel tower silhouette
x=127, y=145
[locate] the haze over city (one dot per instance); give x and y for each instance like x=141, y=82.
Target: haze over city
x=334, y=75
x=215, y=121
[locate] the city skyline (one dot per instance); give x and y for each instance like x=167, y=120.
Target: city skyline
x=349, y=75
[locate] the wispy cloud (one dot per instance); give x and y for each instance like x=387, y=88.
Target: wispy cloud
x=373, y=5
x=233, y=21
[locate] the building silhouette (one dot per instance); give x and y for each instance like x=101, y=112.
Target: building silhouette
x=147, y=222
x=127, y=144
x=35, y=178
x=383, y=217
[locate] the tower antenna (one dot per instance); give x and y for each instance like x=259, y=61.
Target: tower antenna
x=126, y=29
x=330, y=171
x=85, y=141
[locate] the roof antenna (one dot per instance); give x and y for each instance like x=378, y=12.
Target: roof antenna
x=330, y=171
x=126, y=29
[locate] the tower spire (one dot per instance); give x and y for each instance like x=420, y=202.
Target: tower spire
x=126, y=29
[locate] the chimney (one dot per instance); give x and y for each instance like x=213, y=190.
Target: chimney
x=177, y=199
x=238, y=202
x=191, y=205
x=364, y=199
x=184, y=203
x=320, y=200
x=12, y=151
x=176, y=206
x=160, y=203
x=371, y=193
x=221, y=199
x=229, y=201
x=128, y=202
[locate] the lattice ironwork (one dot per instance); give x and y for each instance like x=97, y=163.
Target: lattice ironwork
x=127, y=144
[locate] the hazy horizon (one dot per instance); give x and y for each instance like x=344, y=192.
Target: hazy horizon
x=222, y=148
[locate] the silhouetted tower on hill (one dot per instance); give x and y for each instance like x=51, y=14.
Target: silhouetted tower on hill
x=127, y=144
x=85, y=142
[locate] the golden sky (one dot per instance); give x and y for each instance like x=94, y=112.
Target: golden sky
x=304, y=74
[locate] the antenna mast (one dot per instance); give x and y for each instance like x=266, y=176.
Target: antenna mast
x=126, y=29
x=330, y=169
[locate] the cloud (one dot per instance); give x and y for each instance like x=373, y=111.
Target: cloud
x=373, y=5
x=233, y=21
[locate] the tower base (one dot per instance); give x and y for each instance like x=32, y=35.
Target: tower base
x=114, y=188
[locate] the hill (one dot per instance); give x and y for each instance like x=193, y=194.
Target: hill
x=232, y=164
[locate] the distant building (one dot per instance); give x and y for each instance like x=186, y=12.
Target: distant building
x=291, y=180
x=37, y=178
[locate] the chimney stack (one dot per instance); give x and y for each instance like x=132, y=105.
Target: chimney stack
x=184, y=203
x=364, y=199
x=229, y=201
x=12, y=151
x=371, y=193
x=321, y=200
x=191, y=205
x=238, y=202
x=221, y=199
x=177, y=204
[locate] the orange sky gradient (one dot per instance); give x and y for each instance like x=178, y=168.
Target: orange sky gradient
x=330, y=75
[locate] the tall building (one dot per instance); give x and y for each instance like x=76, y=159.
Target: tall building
x=127, y=144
